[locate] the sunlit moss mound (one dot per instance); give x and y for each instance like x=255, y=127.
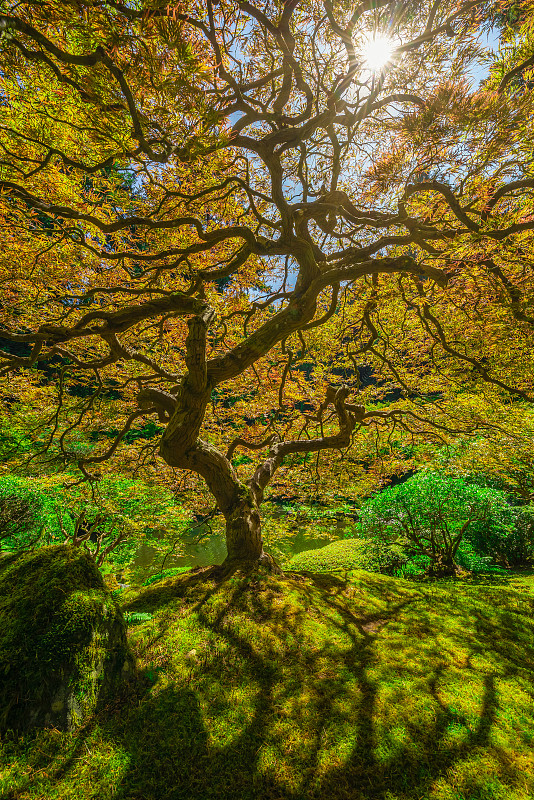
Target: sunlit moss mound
x=344, y=555
x=313, y=687
x=62, y=639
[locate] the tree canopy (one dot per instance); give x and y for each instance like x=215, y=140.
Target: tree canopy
x=224, y=217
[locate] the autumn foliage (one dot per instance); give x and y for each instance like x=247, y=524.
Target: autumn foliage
x=217, y=220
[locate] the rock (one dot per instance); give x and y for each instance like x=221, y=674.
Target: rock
x=63, y=644
x=191, y=656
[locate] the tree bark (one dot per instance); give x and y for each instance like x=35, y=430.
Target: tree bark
x=243, y=531
x=443, y=566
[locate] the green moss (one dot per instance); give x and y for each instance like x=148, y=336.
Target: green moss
x=58, y=620
x=305, y=687
x=344, y=555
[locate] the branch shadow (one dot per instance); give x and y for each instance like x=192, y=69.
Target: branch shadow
x=331, y=699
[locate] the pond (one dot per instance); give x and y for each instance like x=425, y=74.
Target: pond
x=206, y=548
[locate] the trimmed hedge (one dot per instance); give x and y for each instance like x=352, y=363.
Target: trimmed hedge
x=343, y=555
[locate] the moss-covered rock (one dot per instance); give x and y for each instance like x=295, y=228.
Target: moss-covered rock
x=62, y=639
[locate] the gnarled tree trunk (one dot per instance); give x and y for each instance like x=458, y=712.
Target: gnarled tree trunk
x=181, y=447
x=243, y=531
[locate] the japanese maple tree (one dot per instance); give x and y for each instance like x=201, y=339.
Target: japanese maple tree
x=193, y=197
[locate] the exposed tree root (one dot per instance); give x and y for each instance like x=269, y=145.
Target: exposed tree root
x=230, y=566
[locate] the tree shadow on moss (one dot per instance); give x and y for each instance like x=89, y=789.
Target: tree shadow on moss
x=44, y=752
x=171, y=754
x=414, y=771
x=168, y=747
x=194, y=588
x=167, y=730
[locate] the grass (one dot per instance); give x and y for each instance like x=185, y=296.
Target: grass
x=306, y=686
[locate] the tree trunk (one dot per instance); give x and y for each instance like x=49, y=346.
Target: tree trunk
x=182, y=448
x=443, y=566
x=243, y=532
x=243, y=537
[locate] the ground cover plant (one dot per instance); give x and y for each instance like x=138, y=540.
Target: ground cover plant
x=306, y=687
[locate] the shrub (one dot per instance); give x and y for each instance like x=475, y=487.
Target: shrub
x=429, y=516
x=507, y=538
x=28, y=516
x=343, y=555
x=470, y=559
x=117, y=514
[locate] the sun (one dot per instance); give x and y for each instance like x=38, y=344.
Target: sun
x=376, y=52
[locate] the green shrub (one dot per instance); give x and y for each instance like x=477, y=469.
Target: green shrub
x=414, y=566
x=19, y=515
x=119, y=513
x=343, y=555
x=28, y=516
x=471, y=559
x=507, y=538
x=430, y=515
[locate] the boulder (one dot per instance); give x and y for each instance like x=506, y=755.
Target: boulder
x=63, y=647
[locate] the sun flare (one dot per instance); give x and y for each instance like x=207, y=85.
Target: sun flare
x=376, y=52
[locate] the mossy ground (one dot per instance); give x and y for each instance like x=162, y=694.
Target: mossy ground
x=306, y=686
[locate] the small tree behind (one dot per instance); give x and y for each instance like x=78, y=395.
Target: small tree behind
x=111, y=521
x=108, y=522
x=25, y=514
x=429, y=515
